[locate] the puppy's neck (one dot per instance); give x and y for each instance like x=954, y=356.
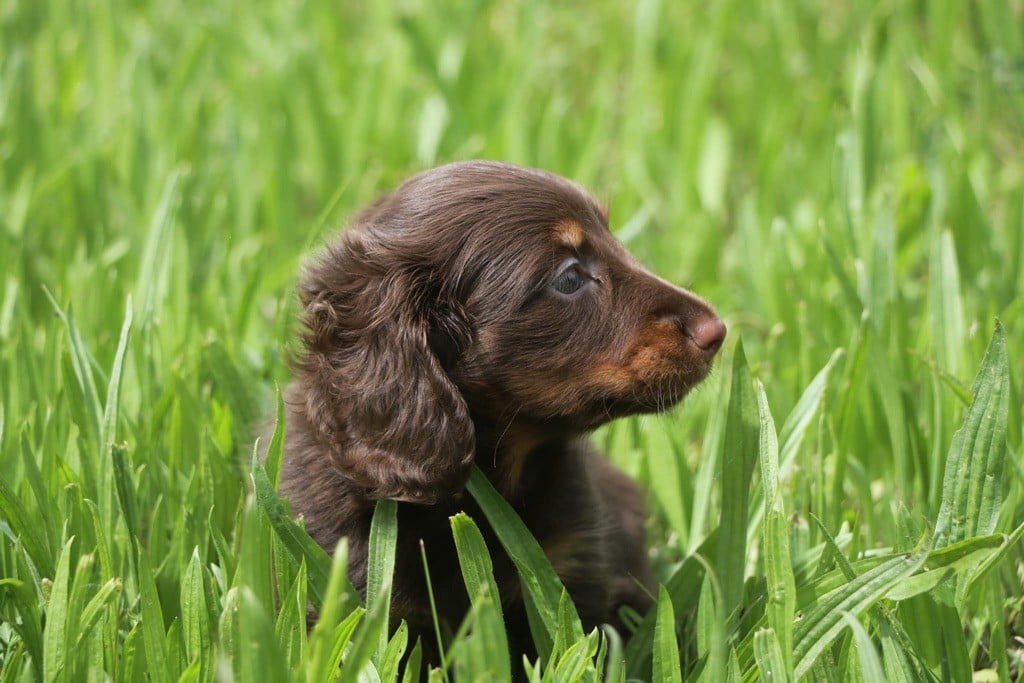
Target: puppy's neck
x=503, y=453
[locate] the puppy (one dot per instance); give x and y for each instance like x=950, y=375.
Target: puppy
x=482, y=313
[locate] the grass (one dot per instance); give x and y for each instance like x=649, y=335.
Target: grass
x=841, y=501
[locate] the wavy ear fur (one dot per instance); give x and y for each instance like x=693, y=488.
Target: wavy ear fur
x=375, y=391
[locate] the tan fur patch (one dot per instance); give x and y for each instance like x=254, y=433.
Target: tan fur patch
x=515, y=446
x=650, y=353
x=569, y=233
x=653, y=347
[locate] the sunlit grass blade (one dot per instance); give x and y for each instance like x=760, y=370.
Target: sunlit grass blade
x=154, y=261
x=944, y=300
x=793, y=431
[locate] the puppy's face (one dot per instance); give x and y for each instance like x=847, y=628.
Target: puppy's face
x=566, y=328
x=482, y=299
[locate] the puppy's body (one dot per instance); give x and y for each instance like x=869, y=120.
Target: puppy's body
x=483, y=313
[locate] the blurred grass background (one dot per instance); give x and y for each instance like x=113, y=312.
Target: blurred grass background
x=830, y=175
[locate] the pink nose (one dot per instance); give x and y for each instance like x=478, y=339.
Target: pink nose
x=708, y=334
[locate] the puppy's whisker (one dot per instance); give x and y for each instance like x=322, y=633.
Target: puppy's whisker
x=508, y=425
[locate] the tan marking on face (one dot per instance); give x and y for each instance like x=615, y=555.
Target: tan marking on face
x=611, y=377
x=656, y=346
x=652, y=352
x=569, y=233
x=657, y=352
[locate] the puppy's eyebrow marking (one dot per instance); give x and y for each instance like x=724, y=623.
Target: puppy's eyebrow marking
x=569, y=232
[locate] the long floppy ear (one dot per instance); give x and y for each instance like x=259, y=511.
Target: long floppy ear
x=393, y=421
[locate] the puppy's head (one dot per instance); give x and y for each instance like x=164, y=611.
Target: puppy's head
x=484, y=292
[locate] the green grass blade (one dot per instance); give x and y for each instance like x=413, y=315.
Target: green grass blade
x=737, y=468
x=290, y=627
x=260, y=659
x=154, y=637
x=478, y=575
x=413, y=665
x=666, y=648
x=275, y=449
x=326, y=639
x=381, y=565
x=15, y=514
x=396, y=648
x=683, y=587
x=97, y=608
x=666, y=461
x=771, y=663
x=55, y=635
x=113, y=403
x=82, y=364
x=822, y=622
x=615, y=671
x=20, y=608
x=543, y=587
x=870, y=665
x=972, y=490
x=365, y=640
x=781, y=586
x=195, y=617
x=301, y=546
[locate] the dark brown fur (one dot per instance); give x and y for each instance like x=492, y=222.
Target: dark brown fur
x=435, y=340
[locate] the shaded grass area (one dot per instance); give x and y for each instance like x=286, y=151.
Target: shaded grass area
x=844, y=182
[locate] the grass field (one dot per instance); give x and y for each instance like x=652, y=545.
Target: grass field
x=845, y=182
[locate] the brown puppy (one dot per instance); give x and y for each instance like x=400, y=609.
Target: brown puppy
x=483, y=313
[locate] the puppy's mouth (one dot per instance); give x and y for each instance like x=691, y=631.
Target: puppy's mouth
x=652, y=393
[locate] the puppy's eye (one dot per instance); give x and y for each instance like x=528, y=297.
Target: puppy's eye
x=569, y=280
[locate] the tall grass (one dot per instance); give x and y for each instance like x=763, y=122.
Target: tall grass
x=841, y=501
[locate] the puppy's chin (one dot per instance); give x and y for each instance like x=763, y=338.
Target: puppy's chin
x=654, y=396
